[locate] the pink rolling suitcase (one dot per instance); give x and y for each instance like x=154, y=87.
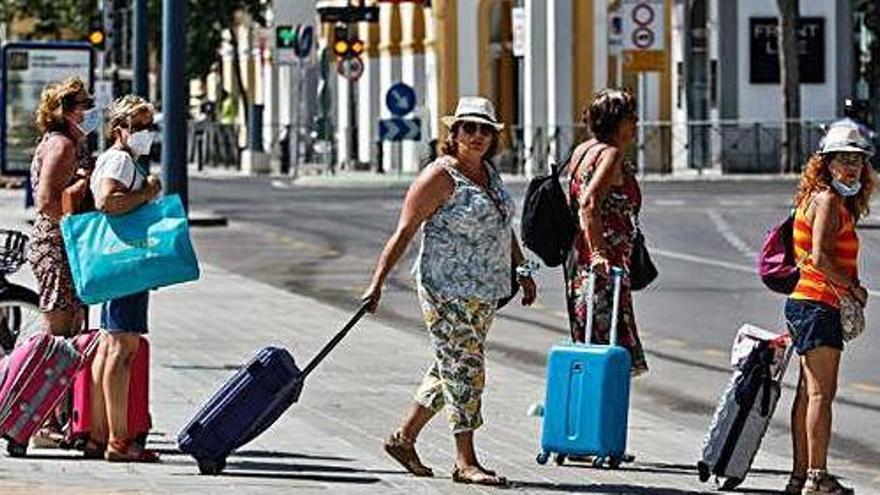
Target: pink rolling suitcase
x=34, y=378
x=139, y=421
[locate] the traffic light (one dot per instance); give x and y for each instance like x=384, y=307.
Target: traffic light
x=97, y=37
x=347, y=44
x=285, y=37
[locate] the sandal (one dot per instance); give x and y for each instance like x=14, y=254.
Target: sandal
x=128, y=451
x=473, y=475
x=403, y=451
x=47, y=438
x=93, y=449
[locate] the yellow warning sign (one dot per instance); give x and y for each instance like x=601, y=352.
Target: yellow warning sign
x=644, y=60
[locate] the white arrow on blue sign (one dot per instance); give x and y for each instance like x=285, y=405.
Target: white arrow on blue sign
x=400, y=129
x=400, y=99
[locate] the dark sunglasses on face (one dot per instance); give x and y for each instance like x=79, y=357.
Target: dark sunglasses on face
x=144, y=127
x=473, y=127
x=851, y=159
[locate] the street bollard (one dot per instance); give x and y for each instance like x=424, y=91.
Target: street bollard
x=255, y=128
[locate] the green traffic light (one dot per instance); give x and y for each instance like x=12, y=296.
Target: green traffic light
x=286, y=36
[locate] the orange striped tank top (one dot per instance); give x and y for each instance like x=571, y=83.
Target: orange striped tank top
x=813, y=285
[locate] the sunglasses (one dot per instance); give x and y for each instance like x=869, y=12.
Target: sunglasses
x=473, y=127
x=144, y=127
x=850, y=159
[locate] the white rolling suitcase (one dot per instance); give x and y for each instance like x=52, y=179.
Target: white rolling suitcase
x=746, y=406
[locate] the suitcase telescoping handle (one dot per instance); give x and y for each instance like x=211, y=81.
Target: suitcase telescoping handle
x=333, y=342
x=617, y=275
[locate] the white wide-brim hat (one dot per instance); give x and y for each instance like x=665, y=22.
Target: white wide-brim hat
x=844, y=138
x=473, y=109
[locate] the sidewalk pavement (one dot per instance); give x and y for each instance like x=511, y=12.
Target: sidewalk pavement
x=330, y=441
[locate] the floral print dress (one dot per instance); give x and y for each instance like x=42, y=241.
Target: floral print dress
x=617, y=209
x=46, y=254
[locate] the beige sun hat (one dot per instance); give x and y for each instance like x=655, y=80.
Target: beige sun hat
x=845, y=139
x=473, y=109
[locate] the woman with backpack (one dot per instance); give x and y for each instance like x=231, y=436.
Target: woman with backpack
x=463, y=270
x=606, y=195
x=120, y=186
x=834, y=193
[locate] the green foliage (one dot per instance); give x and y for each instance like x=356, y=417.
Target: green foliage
x=206, y=21
x=54, y=18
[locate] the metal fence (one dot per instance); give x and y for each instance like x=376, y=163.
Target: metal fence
x=724, y=146
x=664, y=147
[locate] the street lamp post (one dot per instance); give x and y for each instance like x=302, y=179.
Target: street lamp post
x=174, y=104
x=141, y=81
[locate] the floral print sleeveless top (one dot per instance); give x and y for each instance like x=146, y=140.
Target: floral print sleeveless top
x=466, y=243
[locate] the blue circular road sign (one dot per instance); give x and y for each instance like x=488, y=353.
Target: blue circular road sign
x=400, y=99
x=304, y=37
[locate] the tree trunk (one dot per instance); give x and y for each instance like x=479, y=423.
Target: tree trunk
x=790, y=78
x=236, y=71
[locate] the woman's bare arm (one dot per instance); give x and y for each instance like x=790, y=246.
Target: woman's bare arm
x=56, y=169
x=591, y=199
x=826, y=224
x=429, y=191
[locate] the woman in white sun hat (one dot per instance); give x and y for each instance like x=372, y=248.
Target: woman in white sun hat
x=462, y=271
x=834, y=193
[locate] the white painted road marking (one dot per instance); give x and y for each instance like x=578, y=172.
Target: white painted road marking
x=700, y=260
x=729, y=235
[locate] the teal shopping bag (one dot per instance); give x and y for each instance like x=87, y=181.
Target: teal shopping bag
x=112, y=256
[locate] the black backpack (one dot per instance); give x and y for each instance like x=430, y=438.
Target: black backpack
x=548, y=223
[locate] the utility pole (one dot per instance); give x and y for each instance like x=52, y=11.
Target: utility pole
x=139, y=50
x=174, y=104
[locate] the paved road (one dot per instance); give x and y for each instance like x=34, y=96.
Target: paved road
x=322, y=241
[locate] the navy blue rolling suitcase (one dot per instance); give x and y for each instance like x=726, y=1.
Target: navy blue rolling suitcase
x=249, y=403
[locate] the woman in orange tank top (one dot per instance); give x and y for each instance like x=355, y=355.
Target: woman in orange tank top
x=833, y=194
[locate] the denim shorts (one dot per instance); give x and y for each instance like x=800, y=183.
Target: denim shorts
x=813, y=324
x=126, y=314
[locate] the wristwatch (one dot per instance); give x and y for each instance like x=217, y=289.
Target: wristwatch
x=526, y=268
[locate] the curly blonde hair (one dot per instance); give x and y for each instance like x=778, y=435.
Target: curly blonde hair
x=123, y=110
x=57, y=98
x=816, y=177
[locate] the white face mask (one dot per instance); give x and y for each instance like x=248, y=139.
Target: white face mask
x=846, y=190
x=139, y=142
x=91, y=121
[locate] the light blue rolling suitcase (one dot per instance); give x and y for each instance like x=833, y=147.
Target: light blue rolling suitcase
x=587, y=403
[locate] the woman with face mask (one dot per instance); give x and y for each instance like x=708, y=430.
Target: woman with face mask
x=834, y=192
x=120, y=186
x=64, y=118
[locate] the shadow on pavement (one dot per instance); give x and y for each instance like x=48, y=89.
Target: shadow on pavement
x=362, y=480
x=604, y=488
x=317, y=468
x=260, y=454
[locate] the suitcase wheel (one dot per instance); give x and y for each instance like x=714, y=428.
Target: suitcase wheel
x=141, y=440
x=730, y=484
x=559, y=459
x=703, y=470
x=598, y=461
x=542, y=458
x=211, y=467
x=614, y=462
x=16, y=449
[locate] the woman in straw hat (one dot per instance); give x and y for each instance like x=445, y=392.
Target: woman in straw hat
x=834, y=192
x=462, y=271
